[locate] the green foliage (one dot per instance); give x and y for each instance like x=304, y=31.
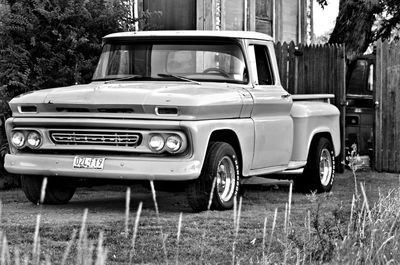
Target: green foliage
x=388, y=20
x=361, y=22
x=54, y=43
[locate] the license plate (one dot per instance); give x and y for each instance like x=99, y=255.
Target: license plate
x=89, y=162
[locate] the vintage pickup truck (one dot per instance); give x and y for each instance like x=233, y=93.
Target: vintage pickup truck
x=202, y=107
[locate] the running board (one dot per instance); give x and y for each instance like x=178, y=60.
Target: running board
x=294, y=168
x=292, y=171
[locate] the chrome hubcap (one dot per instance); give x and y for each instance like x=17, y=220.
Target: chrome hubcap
x=225, y=179
x=325, y=167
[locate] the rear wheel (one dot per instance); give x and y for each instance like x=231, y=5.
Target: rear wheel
x=57, y=189
x=319, y=172
x=221, y=166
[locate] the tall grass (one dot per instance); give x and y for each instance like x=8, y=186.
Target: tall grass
x=364, y=233
x=85, y=249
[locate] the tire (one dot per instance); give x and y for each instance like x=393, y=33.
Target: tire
x=7, y=180
x=319, y=173
x=4, y=149
x=57, y=190
x=221, y=164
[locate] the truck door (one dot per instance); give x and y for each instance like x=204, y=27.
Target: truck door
x=271, y=112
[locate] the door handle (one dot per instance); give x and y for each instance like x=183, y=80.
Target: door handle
x=285, y=95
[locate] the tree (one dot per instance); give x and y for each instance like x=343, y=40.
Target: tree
x=388, y=21
x=354, y=25
x=361, y=22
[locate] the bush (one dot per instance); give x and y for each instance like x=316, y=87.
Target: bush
x=47, y=44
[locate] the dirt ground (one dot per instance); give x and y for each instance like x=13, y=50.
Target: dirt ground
x=106, y=212
x=107, y=203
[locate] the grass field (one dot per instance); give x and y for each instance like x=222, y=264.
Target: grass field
x=270, y=225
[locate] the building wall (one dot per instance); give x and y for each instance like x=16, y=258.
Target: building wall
x=264, y=16
x=289, y=20
x=176, y=14
x=285, y=20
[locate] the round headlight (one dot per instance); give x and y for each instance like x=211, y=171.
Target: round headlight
x=34, y=139
x=173, y=143
x=156, y=142
x=18, y=139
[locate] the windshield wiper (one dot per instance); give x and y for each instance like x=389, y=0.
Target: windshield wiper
x=180, y=78
x=129, y=77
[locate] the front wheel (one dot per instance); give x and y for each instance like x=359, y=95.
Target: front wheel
x=319, y=172
x=57, y=190
x=221, y=167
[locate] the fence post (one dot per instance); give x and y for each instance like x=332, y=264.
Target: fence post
x=341, y=101
x=292, y=68
x=378, y=99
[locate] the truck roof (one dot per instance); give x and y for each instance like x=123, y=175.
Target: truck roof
x=191, y=33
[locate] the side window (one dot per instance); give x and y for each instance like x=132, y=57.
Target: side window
x=264, y=70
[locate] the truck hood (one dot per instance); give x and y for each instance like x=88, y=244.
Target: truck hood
x=132, y=99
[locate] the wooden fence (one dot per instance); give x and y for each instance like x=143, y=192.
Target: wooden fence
x=387, y=114
x=314, y=69
x=306, y=69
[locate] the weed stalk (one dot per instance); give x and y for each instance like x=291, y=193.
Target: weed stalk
x=178, y=237
x=272, y=230
x=68, y=249
x=263, y=239
x=36, y=239
x=81, y=245
x=203, y=237
x=135, y=230
x=127, y=206
x=153, y=192
x=236, y=231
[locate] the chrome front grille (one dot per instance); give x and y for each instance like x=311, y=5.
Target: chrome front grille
x=96, y=137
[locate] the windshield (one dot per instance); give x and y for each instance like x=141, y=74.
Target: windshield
x=219, y=62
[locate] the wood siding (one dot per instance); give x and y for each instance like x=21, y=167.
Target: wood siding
x=286, y=20
x=264, y=16
x=233, y=14
x=289, y=20
x=176, y=14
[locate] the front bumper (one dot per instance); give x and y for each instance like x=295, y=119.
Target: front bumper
x=114, y=167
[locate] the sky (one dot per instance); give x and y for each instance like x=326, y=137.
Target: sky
x=324, y=19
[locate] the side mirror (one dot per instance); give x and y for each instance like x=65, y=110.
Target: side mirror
x=297, y=52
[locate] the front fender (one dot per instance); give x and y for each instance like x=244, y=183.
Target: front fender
x=200, y=132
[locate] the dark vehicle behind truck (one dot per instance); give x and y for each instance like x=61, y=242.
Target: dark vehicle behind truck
x=360, y=107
